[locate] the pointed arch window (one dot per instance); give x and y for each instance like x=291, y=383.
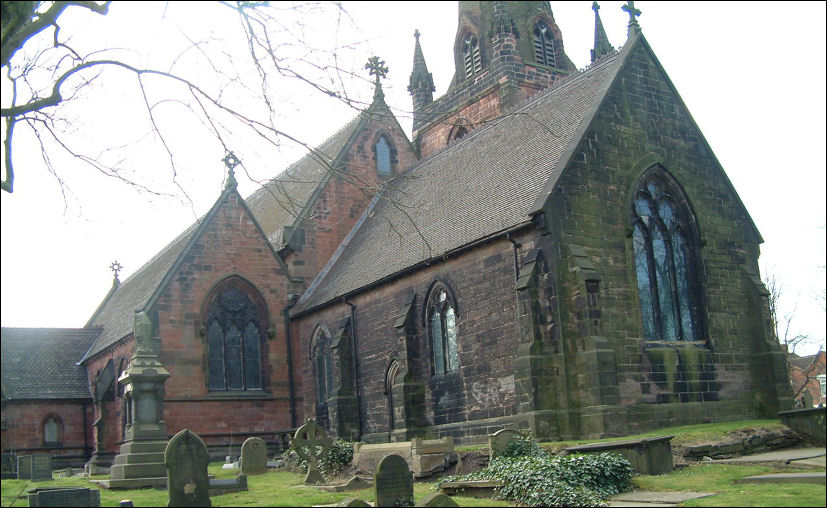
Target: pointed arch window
x=471, y=57
x=322, y=365
x=52, y=428
x=665, y=262
x=236, y=319
x=442, y=328
x=544, y=45
x=383, y=156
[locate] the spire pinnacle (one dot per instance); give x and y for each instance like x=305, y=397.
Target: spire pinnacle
x=629, y=7
x=502, y=22
x=421, y=84
x=231, y=161
x=602, y=46
x=377, y=68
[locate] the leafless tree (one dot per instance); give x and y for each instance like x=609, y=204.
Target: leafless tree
x=782, y=323
x=45, y=70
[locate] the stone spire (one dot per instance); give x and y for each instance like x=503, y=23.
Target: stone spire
x=421, y=85
x=602, y=46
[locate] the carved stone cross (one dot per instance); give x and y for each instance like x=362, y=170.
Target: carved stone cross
x=629, y=7
x=116, y=267
x=377, y=68
x=310, y=443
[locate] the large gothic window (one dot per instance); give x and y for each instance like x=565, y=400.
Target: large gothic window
x=322, y=365
x=442, y=328
x=664, y=262
x=235, y=324
x=544, y=44
x=471, y=55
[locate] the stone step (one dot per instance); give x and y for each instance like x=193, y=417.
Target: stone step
x=139, y=458
x=816, y=477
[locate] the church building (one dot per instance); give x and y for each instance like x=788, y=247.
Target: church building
x=555, y=250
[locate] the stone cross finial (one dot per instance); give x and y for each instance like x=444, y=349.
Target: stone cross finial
x=595, y=6
x=377, y=68
x=629, y=7
x=231, y=161
x=116, y=267
x=416, y=34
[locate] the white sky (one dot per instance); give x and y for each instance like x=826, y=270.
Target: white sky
x=752, y=75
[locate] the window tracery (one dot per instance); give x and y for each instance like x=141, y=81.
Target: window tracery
x=442, y=327
x=664, y=262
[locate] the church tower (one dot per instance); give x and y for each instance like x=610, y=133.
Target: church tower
x=504, y=52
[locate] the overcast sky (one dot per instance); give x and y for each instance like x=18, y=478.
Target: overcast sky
x=752, y=75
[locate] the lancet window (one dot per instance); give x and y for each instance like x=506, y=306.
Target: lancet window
x=442, y=328
x=544, y=44
x=471, y=57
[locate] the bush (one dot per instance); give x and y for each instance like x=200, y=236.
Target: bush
x=523, y=445
x=338, y=457
x=543, y=480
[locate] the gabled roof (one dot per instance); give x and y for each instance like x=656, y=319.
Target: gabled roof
x=456, y=197
x=270, y=206
x=39, y=363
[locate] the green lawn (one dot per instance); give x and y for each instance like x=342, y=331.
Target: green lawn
x=286, y=489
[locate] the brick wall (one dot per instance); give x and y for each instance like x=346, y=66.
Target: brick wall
x=23, y=431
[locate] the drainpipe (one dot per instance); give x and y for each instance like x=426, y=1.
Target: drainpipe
x=291, y=301
x=355, y=364
x=516, y=245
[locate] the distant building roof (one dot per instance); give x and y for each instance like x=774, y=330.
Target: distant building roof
x=39, y=363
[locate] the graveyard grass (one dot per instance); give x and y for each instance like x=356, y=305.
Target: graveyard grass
x=286, y=489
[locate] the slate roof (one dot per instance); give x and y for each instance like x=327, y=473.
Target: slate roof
x=39, y=363
x=485, y=184
x=272, y=209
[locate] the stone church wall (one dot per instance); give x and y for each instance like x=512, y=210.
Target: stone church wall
x=467, y=404
x=110, y=411
x=229, y=246
x=642, y=123
x=23, y=429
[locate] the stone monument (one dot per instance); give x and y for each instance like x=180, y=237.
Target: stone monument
x=140, y=462
x=311, y=442
x=393, y=482
x=254, y=456
x=186, y=460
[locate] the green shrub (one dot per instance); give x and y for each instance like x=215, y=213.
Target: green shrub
x=338, y=457
x=543, y=480
x=523, y=445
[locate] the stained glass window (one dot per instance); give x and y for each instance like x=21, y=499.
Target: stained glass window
x=544, y=45
x=383, y=156
x=323, y=365
x=234, y=334
x=442, y=325
x=663, y=263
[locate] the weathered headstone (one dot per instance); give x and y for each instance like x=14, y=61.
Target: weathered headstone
x=186, y=460
x=436, y=499
x=41, y=467
x=807, y=399
x=498, y=442
x=24, y=467
x=353, y=501
x=254, y=456
x=393, y=482
x=310, y=443
x=62, y=496
x=220, y=486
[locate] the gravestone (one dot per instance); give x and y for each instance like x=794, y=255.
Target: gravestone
x=24, y=467
x=41, y=467
x=186, y=460
x=62, y=496
x=220, y=486
x=353, y=501
x=310, y=443
x=498, y=442
x=254, y=456
x=436, y=499
x=393, y=482
x=9, y=469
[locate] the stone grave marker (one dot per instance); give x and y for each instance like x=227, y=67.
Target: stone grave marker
x=62, y=496
x=436, y=499
x=254, y=456
x=41, y=467
x=24, y=467
x=353, y=501
x=393, y=482
x=186, y=460
x=498, y=442
x=310, y=443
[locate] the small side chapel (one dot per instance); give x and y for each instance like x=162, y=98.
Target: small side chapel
x=556, y=250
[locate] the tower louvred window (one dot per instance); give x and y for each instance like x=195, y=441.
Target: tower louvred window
x=471, y=55
x=544, y=45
